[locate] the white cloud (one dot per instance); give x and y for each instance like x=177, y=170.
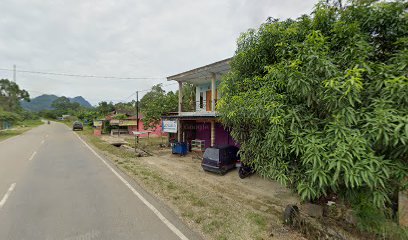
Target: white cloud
x=123, y=38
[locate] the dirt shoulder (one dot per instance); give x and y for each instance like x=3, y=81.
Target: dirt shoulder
x=218, y=207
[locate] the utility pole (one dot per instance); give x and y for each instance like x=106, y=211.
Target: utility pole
x=137, y=114
x=14, y=73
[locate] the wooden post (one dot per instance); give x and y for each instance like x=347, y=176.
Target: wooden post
x=212, y=133
x=213, y=92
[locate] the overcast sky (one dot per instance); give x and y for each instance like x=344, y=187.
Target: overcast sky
x=149, y=38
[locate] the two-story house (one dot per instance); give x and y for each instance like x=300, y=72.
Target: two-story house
x=202, y=124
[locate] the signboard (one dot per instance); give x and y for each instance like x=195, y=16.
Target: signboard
x=114, y=122
x=123, y=122
x=169, y=126
x=97, y=123
x=127, y=122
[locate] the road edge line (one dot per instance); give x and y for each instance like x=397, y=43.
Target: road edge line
x=173, y=228
x=7, y=195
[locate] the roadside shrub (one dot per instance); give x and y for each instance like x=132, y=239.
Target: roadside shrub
x=9, y=116
x=320, y=103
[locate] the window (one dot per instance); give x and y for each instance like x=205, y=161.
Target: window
x=201, y=99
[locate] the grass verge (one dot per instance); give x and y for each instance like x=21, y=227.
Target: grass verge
x=207, y=210
x=20, y=128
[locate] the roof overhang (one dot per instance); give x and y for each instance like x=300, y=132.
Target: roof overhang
x=202, y=74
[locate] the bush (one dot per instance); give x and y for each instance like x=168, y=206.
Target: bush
x=9, y=116
x=321, y=103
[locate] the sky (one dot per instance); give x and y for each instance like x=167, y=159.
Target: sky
x=145, y=39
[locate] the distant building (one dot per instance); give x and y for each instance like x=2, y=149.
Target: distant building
x=127, y=125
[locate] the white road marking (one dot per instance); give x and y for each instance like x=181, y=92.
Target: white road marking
x=32, y=156
x=4, y=199
x=147, y=203
x=42, y=142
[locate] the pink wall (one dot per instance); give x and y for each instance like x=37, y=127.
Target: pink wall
x=157, y=132
x=222, y=136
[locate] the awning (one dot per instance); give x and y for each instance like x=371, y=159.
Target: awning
x=202, y=74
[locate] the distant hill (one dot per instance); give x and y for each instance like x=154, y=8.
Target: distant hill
x=81, y=101
x=44, y=102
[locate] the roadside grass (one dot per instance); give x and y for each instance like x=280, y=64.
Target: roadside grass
x=20, y=128
x=147, y=143
x=204, y=209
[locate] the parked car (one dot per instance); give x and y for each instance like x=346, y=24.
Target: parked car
x=220, y=159
x=77, y=126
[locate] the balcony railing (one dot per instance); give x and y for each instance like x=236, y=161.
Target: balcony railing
x=204, y=105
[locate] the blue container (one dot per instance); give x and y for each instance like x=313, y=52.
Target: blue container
x=179, y=148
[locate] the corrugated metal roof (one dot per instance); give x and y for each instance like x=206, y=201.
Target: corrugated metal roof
x=202, y=74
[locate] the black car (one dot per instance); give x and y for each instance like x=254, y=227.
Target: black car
x=220, y=159
x=77, y=126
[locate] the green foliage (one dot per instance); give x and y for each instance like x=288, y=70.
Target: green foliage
x=105, y=108
x=155, y=103
x=63, y=105
x=128, y=107
x=9, y=116
x=10, y=95
x=321, y=103
x=120, y=116
x=189, y=98
x=48, y=114
x=88, y=115
x=26, y=115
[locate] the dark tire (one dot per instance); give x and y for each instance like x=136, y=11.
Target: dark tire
x=241, y=173
x=290, y=214
x=222, y=172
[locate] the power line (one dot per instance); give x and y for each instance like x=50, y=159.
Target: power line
x=80, y=75
x=114, y=100
x=164, y=85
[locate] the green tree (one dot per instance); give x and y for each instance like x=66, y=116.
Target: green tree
x=155, y=103
x=320, y=103
x=9, y=116
x=104, y=108
x=63, y=105
x=189, y=98
x=128, y=107
x=88, y=115
x=10, y=95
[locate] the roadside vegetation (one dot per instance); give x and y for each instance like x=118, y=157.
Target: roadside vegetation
x=13, y=119
x=217, y=213
x=320, y=104
x=19, y=128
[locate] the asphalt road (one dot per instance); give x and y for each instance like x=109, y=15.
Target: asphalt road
x=53, y=186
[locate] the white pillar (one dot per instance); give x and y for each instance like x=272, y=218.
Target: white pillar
x=180, y=104
x=213, y=92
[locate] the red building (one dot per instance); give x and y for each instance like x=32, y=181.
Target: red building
x=127, y=124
